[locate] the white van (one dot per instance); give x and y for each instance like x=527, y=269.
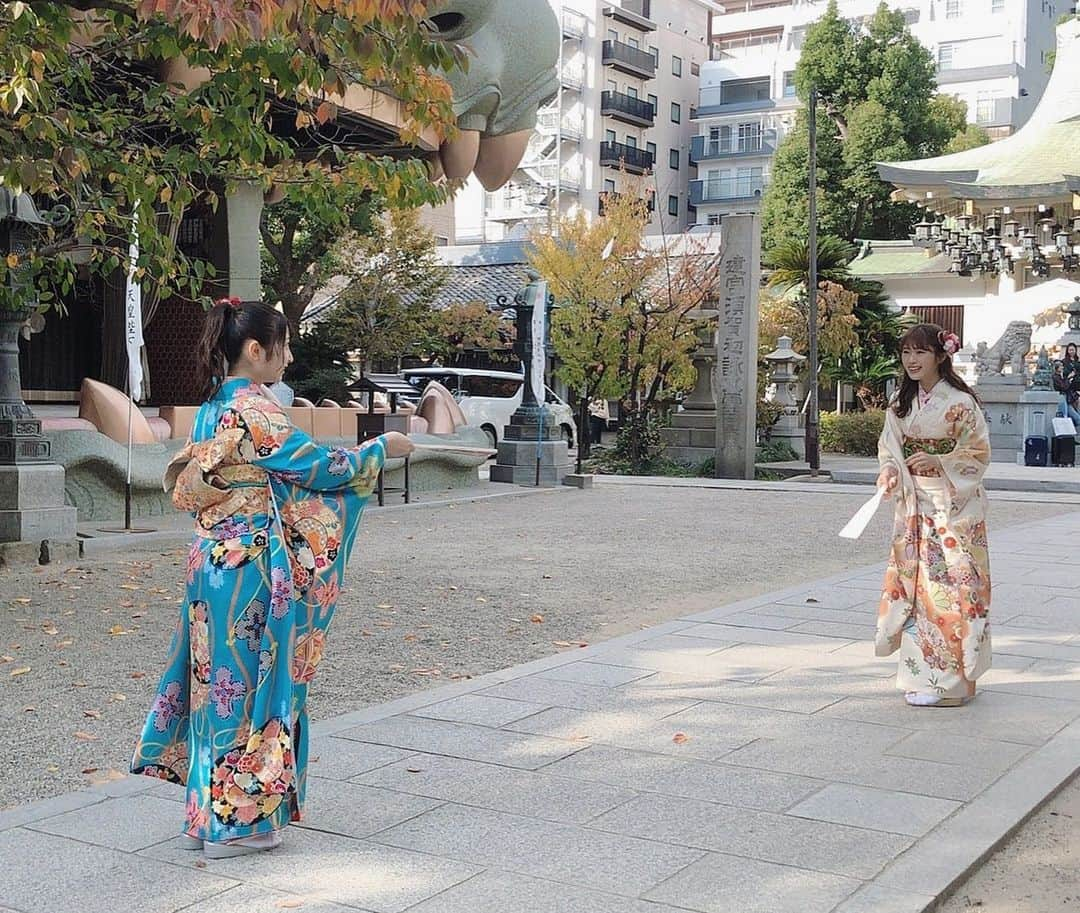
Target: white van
x=489, y=398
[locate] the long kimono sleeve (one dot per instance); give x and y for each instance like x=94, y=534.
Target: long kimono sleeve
x=966, y=465
x=891, y=453
x=281, y=448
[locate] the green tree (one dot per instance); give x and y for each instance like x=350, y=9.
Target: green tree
x=298, y=237
x=627, y=325
x=877, y=102
x=469, y=327
x=129, y=112
x=394, y=275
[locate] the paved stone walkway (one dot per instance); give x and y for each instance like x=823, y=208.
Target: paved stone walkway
x=1000, y=476
x=754, y=758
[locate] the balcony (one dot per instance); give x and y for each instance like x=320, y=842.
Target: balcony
x=724, y=190
x=573, y=25
x=629, y=60
x=572, y=77
x=634, y=13
x=636, y=161
x=548, y=123
x=702, y=150
x=626, y=108
x=995, y=112
x=650, y=202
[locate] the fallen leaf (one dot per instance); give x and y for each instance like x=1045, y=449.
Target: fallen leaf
x=29, y=709
x=384, y=605
x=90, y=770
x=22, y=670
x=49, y=629
x=367, y=633
x=414, y=770
x=85, y=736
x=811, y=599
x=129, y=586
x=680, y=737
x=53, y=769
x=291, y=903
x=199, y=863
x=546, y=576
x=21, y=600
x=92, y=714
x=480, y=599
x=7, y=659
x=106, y=776
x=60, y=644
x=118, y=697
x=117, y=629
x=410, y=637
x=536, y=619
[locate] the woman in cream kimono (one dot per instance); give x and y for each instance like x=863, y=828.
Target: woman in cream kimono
x=275, y=519
x=933, y=452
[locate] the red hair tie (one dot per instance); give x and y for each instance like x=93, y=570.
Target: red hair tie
x=232, y=302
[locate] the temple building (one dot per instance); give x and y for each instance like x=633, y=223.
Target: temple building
x=1004, y=216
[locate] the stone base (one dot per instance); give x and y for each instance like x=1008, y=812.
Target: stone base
x=691, y=437
x=796, y=440
x=579, y=480
x=32, y=504
x=47, y=551
x=1004, y=420
x=516, y=462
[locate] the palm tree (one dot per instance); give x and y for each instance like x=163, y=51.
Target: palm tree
x=789, y=262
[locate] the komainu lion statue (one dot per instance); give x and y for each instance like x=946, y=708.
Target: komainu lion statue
x=1010, y=349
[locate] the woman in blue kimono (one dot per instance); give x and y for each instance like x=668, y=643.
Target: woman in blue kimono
x=275, y=519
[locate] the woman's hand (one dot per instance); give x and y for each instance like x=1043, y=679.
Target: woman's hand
x=924, y=464
x=397, y=444
x=888, y=479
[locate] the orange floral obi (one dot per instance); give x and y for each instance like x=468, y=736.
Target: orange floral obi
x=210, y=480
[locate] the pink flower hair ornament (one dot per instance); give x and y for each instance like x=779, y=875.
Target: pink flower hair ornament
x=950, y=342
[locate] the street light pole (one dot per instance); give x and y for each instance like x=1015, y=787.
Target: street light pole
x=813, y=456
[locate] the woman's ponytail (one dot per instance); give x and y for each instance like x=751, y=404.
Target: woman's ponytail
x=226, y=327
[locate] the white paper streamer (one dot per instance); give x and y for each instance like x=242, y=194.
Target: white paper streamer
x=863, y=515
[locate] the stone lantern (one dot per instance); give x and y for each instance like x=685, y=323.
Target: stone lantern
x=34, y=521
x=1072, y=335
x=784, y=363
x=532, y=451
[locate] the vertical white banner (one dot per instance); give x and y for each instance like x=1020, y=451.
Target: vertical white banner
x=539, y=336
x=133, y=328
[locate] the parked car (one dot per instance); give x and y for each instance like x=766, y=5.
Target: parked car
x=489, y=398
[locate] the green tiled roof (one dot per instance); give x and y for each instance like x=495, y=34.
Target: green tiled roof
x=897, y=261
x=1042, y=157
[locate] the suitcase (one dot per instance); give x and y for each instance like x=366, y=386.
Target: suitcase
x=1063, y=450
x=1036, y=451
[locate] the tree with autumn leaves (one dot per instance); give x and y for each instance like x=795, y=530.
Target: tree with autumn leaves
x=625, y=324
x=94, y=125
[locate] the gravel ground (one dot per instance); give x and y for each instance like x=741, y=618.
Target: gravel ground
x=436, y=593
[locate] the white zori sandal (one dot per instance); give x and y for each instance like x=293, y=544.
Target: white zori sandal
x=260, y=843
x=918, y=699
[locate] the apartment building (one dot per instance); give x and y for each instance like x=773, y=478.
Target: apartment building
x=992, y=54
x=621, y=121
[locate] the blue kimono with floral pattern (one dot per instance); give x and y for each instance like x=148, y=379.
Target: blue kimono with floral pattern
x=275, y=519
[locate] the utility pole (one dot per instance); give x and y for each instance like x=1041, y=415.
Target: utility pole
x=813, y=456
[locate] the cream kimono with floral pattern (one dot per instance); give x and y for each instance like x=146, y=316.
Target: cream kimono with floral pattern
x=936, y=595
